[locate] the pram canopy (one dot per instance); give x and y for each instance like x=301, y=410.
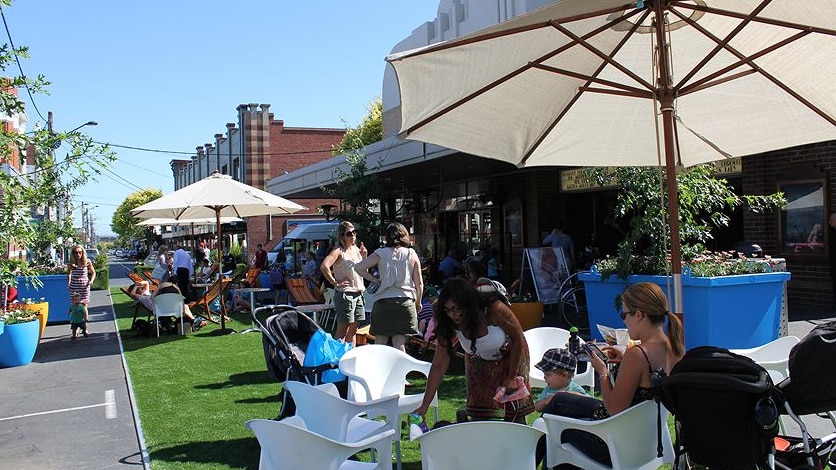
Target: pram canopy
x=812, y=363
x=719, y=400
x=285, y=338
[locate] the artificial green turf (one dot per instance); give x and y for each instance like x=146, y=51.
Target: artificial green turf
x=194, y=394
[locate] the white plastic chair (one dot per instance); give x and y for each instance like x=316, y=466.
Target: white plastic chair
x=168, y=305
x=773, y=356
x=479, y=444
x=328, y=414
x=630, y=437
x=288, y=444
x=542, y=339
x=375, y=371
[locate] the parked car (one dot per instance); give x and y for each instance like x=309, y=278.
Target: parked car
x=92, y=253
x=132, y=254
x=303, y=238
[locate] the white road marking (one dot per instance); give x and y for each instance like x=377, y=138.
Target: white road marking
x=109, y=404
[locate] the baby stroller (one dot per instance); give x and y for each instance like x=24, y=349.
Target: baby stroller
x=810, y=389
x=727, y=412
x=296, y=348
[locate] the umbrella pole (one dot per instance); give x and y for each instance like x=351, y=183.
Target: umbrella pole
x=224, y=330
x=665, y=94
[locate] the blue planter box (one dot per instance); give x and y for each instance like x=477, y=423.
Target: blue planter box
x=53, y=291
x=740, y=311
x=18, y=343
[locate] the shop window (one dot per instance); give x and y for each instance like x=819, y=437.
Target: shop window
x=803, y=219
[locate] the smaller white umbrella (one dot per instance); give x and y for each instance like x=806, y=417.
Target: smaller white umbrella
x=154, y=221
x=216, y=196
x=183, y=222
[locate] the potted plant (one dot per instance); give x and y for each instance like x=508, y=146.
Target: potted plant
x=41, y=308
x=528, y=311
x=19, y=335
x=729, y=300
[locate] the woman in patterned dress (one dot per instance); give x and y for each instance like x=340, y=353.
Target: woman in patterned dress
x=80, y=276
x=496, y=353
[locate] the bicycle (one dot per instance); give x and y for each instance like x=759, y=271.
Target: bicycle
x=572, y=303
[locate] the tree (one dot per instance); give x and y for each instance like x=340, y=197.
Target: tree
x=360, y=194
x=704, y=204
x=369, y=131
x=28, y=214
x=123, y=222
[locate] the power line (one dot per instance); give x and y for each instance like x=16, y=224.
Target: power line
x=20, y=67
x=191, y=154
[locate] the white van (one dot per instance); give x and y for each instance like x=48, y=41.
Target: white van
x=303, y=238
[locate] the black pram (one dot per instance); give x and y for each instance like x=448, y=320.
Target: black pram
x=727, y=412
x=287, y=335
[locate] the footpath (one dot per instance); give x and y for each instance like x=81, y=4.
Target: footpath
x=72, y=407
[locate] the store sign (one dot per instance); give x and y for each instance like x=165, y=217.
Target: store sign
x=577, y=180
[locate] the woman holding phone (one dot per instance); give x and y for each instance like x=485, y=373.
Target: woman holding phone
x=629, y=381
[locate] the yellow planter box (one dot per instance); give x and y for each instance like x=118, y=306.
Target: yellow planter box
x=529, y=314
x=43, y=315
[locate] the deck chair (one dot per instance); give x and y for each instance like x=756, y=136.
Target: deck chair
x=300, y=294
x=136, y=304
x=251, y=277
x=153, y=280
x=202, y=306
x=138, y=279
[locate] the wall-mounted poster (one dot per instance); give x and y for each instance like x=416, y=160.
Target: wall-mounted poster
x=548, y=269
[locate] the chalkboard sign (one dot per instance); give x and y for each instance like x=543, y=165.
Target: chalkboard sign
x=546, y=267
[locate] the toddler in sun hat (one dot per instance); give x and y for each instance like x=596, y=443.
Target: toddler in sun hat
x=558, y=366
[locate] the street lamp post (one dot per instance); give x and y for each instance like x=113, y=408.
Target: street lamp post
x=88, y=123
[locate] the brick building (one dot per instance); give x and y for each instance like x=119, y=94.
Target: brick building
x=255, y=149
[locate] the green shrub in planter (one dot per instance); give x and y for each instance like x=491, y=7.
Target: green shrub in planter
x=102, y=279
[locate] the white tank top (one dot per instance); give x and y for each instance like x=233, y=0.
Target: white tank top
x=488, y=347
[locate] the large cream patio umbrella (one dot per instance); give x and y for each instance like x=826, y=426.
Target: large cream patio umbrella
x=216, y=196
x=611, y=83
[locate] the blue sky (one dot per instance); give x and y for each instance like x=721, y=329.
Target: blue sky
x=167, y=75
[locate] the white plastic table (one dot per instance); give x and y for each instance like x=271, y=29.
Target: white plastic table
x=252, y=291
x=315, y=310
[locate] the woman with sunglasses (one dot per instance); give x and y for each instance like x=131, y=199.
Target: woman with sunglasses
x=338, y=269
x=80, y=276
x=630, y=381
x=496, y=354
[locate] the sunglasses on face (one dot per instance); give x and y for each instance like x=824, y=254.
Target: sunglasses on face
x=351, y=233
x=452, y=310
x=628, y=312
x=77, y=252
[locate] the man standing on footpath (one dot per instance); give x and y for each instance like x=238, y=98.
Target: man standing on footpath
x=182, y=269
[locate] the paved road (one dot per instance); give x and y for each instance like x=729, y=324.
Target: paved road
x=71, y=408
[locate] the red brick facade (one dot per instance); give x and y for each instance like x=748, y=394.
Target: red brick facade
x=273, y=149
x=811, y=280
